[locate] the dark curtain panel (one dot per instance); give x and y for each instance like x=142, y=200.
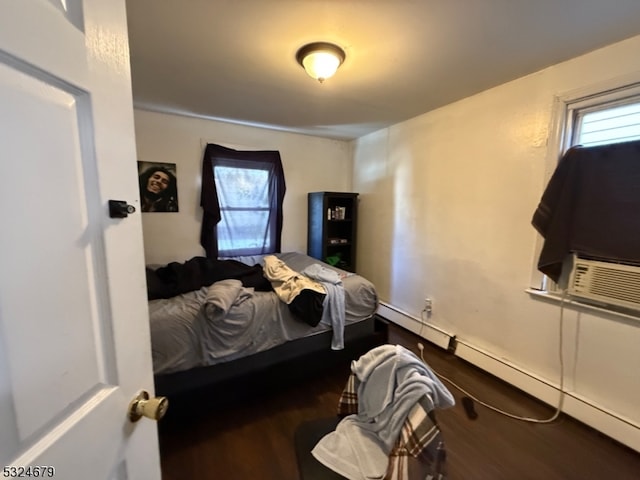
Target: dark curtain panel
x=219, y=155
x=591, y=207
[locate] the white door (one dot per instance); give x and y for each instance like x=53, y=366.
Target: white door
x=74, y=339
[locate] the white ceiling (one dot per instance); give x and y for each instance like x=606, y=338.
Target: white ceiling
x=235, y=59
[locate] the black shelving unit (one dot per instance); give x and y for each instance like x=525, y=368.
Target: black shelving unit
x=331, y=229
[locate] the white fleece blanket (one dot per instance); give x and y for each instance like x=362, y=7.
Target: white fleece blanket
x=392, y=380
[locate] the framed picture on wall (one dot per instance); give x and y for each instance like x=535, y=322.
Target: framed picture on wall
x=158, y=186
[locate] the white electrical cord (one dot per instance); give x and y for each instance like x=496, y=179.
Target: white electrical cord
x=495, y=409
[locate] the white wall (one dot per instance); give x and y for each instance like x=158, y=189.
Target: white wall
x=310, y=164
x=445, y=212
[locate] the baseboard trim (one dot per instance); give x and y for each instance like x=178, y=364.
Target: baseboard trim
x=575, y=405
x=427, y=331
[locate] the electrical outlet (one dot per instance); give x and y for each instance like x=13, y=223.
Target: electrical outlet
x=428, y=306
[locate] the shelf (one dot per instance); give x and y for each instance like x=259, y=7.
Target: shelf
x=322, y=227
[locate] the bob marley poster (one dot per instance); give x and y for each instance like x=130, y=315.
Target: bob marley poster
x=158, y=187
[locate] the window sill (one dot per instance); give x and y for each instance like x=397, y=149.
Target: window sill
x=557, y=298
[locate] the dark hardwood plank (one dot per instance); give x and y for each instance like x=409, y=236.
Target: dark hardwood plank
x=253, y=438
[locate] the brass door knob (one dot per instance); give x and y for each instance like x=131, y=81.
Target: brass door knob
x=143, y=406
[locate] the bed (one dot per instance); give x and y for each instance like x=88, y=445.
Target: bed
x=235, y=329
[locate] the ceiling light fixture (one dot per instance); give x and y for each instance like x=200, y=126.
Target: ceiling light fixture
x=320, y=59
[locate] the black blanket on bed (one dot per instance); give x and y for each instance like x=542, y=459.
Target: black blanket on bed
x=177, y=278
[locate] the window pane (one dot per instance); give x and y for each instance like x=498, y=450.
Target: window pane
x=242, y=187
x=610, y=125
x=242, y=229
x=246, y=227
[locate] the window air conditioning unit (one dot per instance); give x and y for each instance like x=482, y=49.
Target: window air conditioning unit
x=605, y=283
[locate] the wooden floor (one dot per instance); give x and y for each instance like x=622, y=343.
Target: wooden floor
x=253, y=439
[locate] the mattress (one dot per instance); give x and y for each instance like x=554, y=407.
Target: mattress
x=226, y=321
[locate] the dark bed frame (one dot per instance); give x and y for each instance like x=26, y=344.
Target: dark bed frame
x=284, y=363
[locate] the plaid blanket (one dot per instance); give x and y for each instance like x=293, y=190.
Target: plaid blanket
x=419, y=453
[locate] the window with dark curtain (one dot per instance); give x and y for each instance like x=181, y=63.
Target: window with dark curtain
x=242, y=196
x=592, y=119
